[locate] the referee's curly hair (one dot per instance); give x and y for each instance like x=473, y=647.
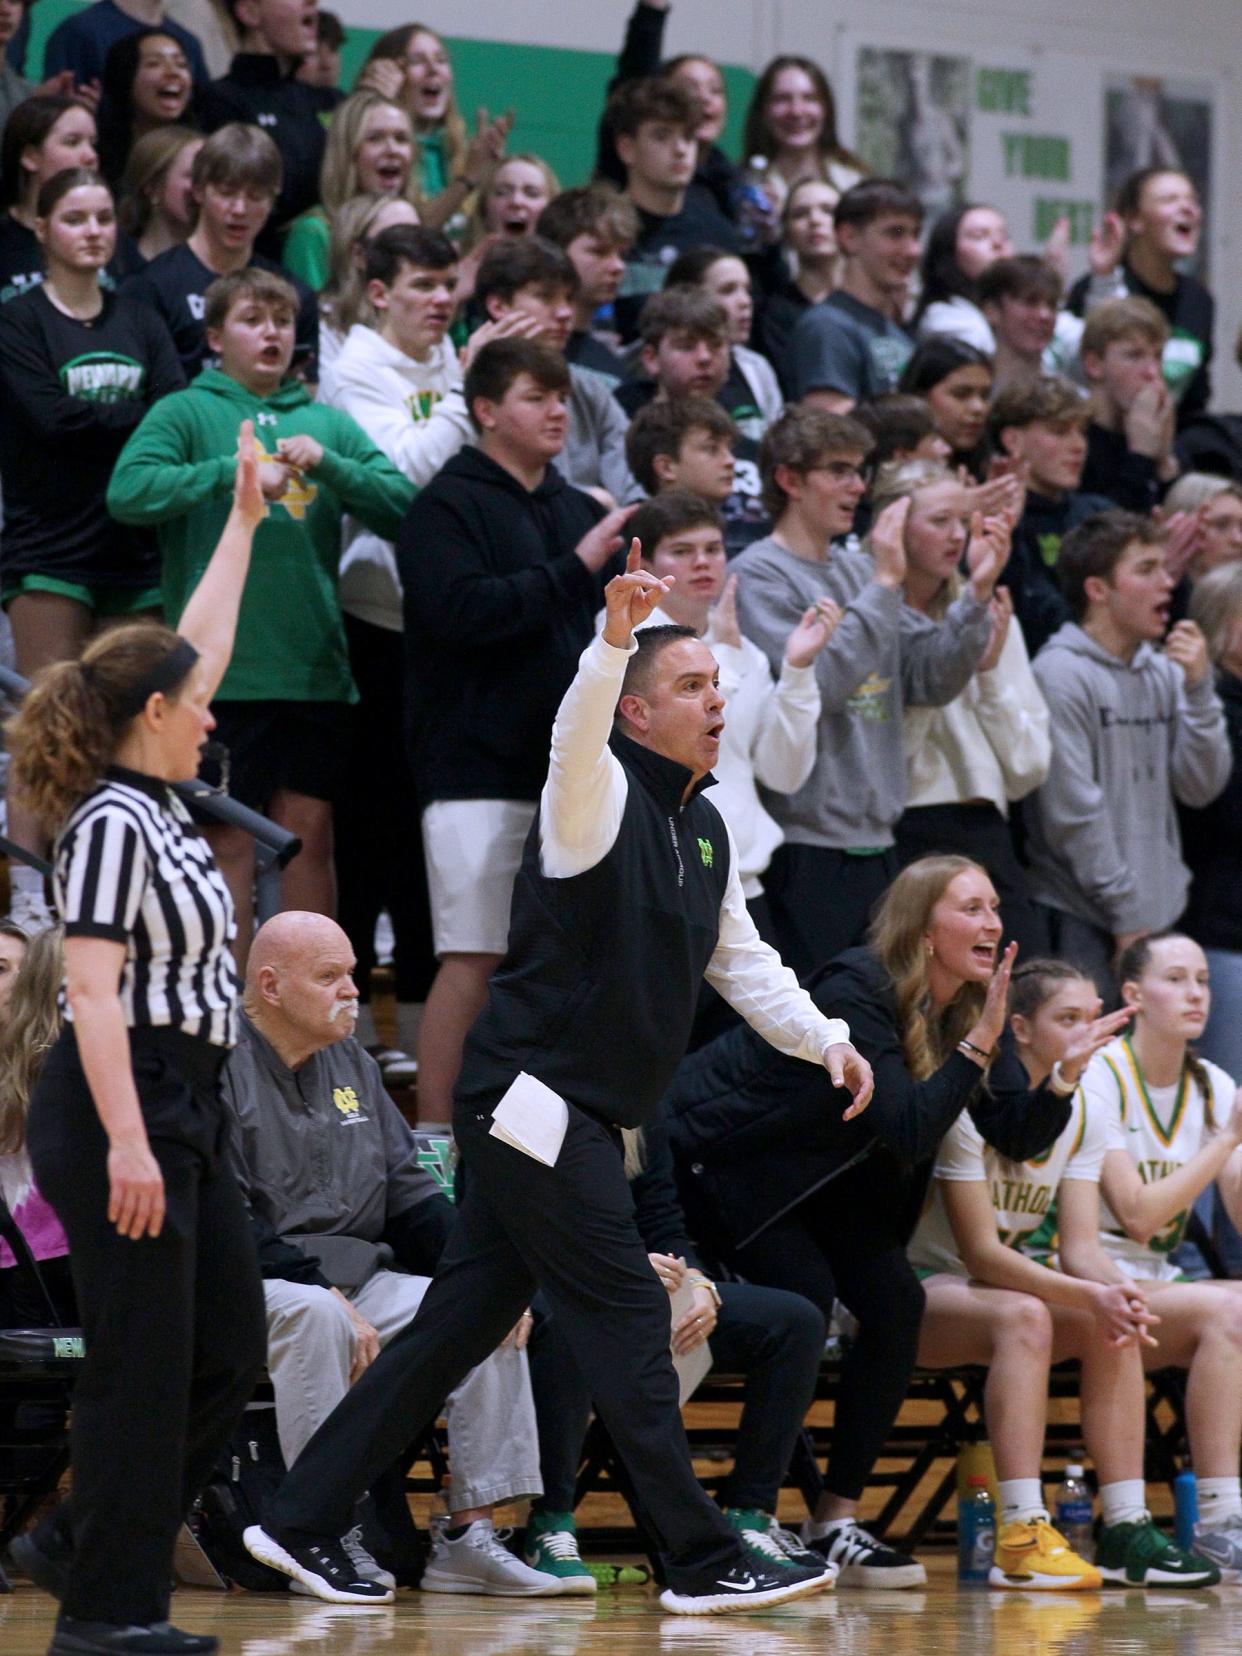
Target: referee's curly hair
x=65, y=732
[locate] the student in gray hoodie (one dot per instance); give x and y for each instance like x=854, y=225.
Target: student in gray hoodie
x=532, y=277
x=1136, y=727
x=838, y=855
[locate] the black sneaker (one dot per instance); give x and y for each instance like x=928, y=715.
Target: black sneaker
x=863, y=1561
x=43, y=1556
x=749, y=1585
x=321, y=1565
x=74, y=1637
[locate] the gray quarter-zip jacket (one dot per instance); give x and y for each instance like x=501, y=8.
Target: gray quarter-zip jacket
x=327, y=1163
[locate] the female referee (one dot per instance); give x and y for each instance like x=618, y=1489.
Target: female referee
x=125, y=1130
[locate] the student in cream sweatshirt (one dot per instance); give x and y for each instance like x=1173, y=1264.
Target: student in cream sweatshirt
x=402, y=383
x=967, y=760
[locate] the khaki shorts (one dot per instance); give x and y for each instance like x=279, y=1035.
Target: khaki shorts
x=473, y=849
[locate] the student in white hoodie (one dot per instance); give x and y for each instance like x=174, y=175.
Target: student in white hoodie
x=401, y=381
x=770, y=724
x=968, y=759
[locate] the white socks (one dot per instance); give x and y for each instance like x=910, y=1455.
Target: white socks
x=1022, y=1500
x=815, y=1529
x=1124, y=1502
x=1219, y=1498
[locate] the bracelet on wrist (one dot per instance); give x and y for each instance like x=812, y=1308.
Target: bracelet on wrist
x=1060, y=1083
x=978, y=1051
x=699, y=1281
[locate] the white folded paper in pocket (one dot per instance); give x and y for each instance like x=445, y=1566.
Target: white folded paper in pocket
x=531, y=1118
x=693, y=1366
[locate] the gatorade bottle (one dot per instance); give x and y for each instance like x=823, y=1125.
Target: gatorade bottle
x=1185, y=1508
x=1075, y=1511
x=976, y=1531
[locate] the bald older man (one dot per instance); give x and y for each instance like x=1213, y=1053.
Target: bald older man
x=350, y=1229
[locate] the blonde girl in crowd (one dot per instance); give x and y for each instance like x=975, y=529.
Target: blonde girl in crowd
x=370, y=150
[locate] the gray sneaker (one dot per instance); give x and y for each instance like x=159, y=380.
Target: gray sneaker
x=479, y=1562
x=1221, y=1543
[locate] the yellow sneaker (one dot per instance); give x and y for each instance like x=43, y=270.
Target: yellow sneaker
x=1032, y=1557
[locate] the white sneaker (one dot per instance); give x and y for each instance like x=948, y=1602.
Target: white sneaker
x=479, y=1562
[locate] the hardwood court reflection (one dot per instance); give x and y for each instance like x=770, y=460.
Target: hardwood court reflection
x=935, y=1622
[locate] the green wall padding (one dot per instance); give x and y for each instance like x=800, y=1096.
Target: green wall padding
x=558, y=94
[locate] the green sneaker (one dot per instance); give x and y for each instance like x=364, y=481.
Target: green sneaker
x=1138, y=1555
x=552, y=1547
x=756, y=1529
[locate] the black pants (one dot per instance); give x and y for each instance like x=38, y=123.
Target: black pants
x=821, y=900
x=570, y=1230
x=379, y=845
x=979, y=832
x=775, y=1339
x=23, y=1306
x=842, y=1243
x=174, y=1325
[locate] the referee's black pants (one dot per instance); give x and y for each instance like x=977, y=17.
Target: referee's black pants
x=174, y=1324
x=570, y=1230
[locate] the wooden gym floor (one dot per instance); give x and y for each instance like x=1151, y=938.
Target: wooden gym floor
x=936, y=1621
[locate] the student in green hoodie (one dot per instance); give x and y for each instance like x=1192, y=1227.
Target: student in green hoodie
x=281, y=709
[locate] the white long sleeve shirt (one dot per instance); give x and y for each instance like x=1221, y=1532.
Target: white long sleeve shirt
x=414, y=412
x=580, y=813
x=992, y=742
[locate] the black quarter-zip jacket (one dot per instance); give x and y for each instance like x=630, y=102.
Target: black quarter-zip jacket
x=599, y=987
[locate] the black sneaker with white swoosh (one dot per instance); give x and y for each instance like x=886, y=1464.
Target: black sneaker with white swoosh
x=744, y=1586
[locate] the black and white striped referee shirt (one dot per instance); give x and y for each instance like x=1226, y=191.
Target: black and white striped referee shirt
x=130, y=865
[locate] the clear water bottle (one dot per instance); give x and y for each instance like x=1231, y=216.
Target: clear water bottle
x=976, y=1530
x=1075, y=1511
x=754, y=202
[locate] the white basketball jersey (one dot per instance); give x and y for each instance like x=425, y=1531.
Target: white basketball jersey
x=1160, y=1129
x=1023, y=1193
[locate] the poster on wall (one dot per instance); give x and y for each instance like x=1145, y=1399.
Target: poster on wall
x=913, y=122
x=1012, y=126
x=1150, y=122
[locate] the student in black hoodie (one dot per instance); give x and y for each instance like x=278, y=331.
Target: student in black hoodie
x=1130, y=454
x=234, y=180
x=262, y=87
x=1040, y=427
x=502, y=566
x=791, y=1195
x=694, y=73
x=1163, y=218
x=79, y=367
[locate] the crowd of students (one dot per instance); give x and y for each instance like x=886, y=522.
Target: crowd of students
x=967, y=549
